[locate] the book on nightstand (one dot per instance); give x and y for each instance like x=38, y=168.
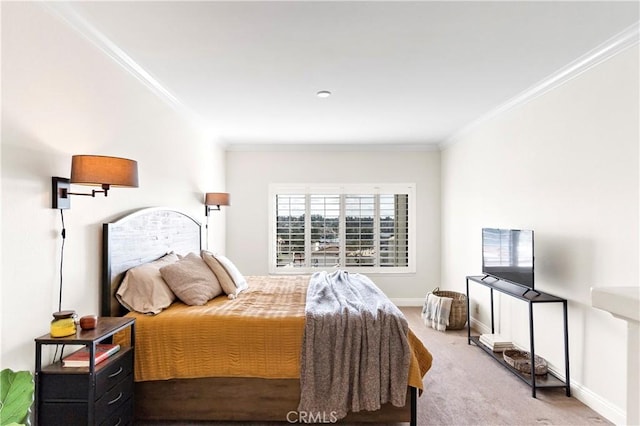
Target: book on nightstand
x=81, y=358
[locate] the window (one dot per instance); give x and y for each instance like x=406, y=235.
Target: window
x=364, y=228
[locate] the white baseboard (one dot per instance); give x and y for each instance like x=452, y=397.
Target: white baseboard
x=479, y=326
x=408, y=301
x=605, y=408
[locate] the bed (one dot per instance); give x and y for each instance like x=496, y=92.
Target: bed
x=148, y=234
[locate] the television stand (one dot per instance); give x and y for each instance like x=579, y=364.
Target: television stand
x=530, y=289
x=549, y=380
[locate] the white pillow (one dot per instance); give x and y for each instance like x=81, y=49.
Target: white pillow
x=225, y=280
x=236, y=276
x=230, y=278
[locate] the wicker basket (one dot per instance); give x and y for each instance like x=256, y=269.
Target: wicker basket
x=521, y=361
x=458, y=314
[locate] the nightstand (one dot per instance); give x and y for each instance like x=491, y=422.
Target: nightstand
x=96, y=395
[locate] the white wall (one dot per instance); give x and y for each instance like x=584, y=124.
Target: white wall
x=62, y=96
x=249, y=174
x=565, y=165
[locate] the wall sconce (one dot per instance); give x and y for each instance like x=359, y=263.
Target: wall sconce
x=213, y=201
x=85, y=170
x=96, y=170
x=216, y=199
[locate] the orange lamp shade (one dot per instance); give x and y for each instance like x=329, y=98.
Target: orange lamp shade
x=216, y=199
x=103, y=170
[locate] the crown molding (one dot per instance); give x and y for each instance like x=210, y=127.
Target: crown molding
x=328, y=147
x=67, y=14
x=610, y=48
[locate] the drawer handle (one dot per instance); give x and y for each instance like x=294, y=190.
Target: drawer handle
x=115, y=400
x=112, y=375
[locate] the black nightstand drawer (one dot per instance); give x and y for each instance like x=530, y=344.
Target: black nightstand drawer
x=63, y=413
x=123, y=416
x=113, y=399
x=57, y=386
x=120, y=367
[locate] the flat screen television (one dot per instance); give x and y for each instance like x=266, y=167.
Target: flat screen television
x=507, y=254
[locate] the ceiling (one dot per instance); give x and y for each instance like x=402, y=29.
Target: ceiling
x=400, y=73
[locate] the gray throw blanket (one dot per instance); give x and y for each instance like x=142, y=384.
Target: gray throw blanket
x=355, y=352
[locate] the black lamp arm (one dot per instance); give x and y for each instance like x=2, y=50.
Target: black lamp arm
x=61, y=192
x=207, y=209
x=105, y=187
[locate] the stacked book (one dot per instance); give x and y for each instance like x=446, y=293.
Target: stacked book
x=495, y=342
x=81, y=358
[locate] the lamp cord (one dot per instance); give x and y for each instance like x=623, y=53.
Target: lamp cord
x=206, y=237
x=64, y=235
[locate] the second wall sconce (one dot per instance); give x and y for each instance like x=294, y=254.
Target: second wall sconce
x=94, y=170
x=213, y=201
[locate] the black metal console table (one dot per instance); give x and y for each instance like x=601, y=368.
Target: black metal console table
x=549, y=380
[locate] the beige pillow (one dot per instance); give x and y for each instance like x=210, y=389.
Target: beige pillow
x=230, y=278
x=143, y=289
x=191, y=280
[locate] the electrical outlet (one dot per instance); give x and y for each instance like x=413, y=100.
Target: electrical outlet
x=477, y=308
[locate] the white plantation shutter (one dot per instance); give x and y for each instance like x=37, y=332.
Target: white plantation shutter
x=325, y=231
x=360, y=235
x=394, y=228
x=366, y=228
x=290, y=223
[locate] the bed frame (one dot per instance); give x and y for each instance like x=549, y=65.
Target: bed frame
x=148, y=234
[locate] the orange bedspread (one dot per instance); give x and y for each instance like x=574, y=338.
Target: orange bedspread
x=258, y=334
